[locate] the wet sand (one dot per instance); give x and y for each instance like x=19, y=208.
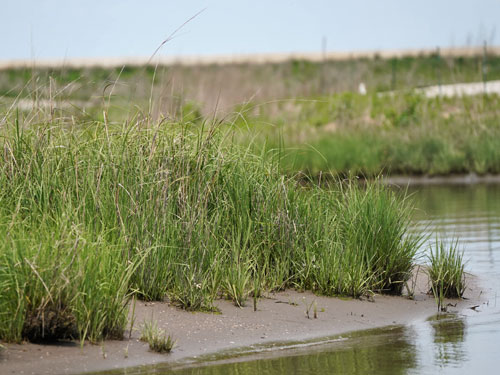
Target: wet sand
x=280, y=317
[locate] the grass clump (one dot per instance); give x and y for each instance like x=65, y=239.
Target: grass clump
x=95, y=212
x=364, y=246
x=446, y=272
x=236, y=283
x=157, y=339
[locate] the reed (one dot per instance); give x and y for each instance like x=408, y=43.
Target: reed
x=446, y=272
x=177, y=85
x=93, y=213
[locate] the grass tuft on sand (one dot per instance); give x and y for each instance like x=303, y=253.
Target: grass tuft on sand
x=157, y=339
x=446, y=271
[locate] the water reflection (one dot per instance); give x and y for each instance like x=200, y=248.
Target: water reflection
x=472, y=215
x=449, y=337
x=469, y=213
x=383, y=351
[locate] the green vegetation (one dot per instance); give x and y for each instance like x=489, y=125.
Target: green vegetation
x=157, y=339
x=446, y=272
x=101, y=202
x=238, y=83
x=309, y=110
x=401, y=134
x=94, y=212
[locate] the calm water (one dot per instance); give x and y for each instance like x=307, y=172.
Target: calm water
x=449, y=344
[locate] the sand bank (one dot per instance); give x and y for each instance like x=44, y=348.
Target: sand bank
x=251, y=58
x=281, y=317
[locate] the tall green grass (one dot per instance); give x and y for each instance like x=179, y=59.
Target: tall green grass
x=92, y=213
x=446, y=271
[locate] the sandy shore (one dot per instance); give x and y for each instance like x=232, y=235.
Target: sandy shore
x=253, y=58
x=281, y=317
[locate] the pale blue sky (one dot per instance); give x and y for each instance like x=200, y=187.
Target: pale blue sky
x=102, y=28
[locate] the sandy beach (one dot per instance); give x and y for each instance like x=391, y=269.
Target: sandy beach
x=253, y=58
x=280, y=318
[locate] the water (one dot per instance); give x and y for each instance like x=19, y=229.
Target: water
x=447, y=344
x=467, y=343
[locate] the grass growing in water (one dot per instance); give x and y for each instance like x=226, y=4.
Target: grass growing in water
x=91, y=213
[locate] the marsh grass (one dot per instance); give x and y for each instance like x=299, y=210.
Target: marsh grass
x=178, y=85
x=95, y=212
x=446, y=272
x=308, y=306
x=236, y=283
x=336, y=131
x=158, y=340
x=406, y=134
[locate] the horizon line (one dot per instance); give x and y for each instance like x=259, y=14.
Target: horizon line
x=242, y=58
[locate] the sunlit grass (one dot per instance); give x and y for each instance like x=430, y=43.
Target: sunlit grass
x=446, y=271
x=95, y=212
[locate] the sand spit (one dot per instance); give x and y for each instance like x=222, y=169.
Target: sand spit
x=256, y=58
x=280, y=317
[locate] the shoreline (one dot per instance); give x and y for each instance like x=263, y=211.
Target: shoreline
x=201, y=338
x=249, y=58
x=426, y=180
x=452, y=179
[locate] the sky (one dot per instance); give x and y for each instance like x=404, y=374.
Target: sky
x=39, y=29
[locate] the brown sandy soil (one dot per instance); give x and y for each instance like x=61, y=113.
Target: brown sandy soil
x=280, y=318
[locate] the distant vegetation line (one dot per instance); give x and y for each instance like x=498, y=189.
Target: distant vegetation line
x=403, y=134
x=224, y=86
x=253, y=58
x=311, y=111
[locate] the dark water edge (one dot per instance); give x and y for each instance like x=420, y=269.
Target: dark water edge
x=388, y=350
x=453, y=180
x=364, y=346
